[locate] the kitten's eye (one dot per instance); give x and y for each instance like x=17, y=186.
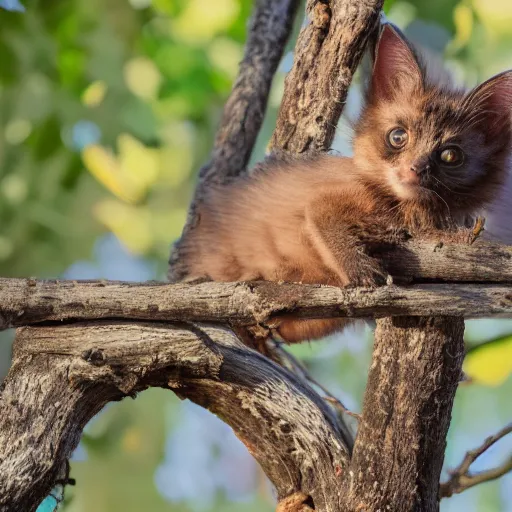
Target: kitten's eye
x=451, y=156
x=397, y=138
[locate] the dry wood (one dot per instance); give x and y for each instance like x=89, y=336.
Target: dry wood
x=327, y=53
x=26, y=302
x=416, y=366
x=62, y=376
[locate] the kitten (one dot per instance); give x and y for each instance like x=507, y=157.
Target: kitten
x=425, y=157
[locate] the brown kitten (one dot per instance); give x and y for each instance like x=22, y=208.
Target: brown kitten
x=425, y=157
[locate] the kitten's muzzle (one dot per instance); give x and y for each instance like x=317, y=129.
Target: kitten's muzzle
x=421, y=166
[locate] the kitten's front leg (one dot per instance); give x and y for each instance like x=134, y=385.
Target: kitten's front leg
x=337, y=227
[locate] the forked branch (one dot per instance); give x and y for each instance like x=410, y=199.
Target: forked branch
x=461, y=478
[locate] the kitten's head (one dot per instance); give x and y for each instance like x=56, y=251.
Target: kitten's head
x=429, y=142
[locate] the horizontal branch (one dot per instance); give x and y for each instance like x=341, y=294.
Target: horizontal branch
x=26, y=302
x=62, y=376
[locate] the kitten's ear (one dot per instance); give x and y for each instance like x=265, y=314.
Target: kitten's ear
x=396, y=66
x=493, y=100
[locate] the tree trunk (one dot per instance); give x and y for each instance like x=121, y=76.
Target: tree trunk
x=399, y=450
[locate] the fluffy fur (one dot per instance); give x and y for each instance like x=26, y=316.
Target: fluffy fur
x=313, y=220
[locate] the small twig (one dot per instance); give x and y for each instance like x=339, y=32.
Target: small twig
x=338, y=404
x=478, y=228
x=461, y=478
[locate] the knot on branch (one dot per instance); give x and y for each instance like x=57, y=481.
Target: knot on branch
x=94, y=356
x=298, y=502
x=321, y=16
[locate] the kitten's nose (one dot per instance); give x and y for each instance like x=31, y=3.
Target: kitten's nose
x=420, y=166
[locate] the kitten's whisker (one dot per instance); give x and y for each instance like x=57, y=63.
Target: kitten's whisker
x=446, y=204
x=441, y=183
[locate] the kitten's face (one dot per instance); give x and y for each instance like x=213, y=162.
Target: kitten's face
x=426, y=146
x=426, y=142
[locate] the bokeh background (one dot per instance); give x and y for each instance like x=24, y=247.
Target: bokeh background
x=107, y=110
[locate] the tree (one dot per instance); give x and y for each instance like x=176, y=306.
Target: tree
x=113, y=339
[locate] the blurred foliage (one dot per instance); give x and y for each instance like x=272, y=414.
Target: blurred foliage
x=490, y=363
x=107, y=110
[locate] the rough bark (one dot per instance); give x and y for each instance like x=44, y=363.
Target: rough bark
x=62, y=376
x=27, y=302
x=327, y=53
x=399, y=449
x=243, y=114
x=437, y=260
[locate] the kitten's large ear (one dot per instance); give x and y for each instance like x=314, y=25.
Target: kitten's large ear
x=396, y=66
x=493, y=101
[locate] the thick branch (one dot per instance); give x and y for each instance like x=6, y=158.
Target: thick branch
x=436, y=260
x=26, y=302
x=327, y=53
x=243, y=114
x=399, y=449
x=62, y=376
x=461, y=478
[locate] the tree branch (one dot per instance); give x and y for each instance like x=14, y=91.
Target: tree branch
x=327, y=53
x=461, y=478
x=399, y=449
x=62, y=376
x=243, y=114
x=28, y=302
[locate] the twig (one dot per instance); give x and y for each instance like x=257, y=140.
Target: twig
x=339, y=404
x=461, y=478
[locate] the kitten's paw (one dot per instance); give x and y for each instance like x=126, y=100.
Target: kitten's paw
x=368, y=274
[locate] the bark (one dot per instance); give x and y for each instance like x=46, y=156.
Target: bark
x=399, y=449
x=431, y=260
x=327, y=53
x=26, y=302
x=62, y=376
x=243, y=114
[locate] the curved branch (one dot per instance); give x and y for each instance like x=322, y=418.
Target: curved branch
x=461, y=478
x=62, y=376
x=327, y=53
x=243, y=114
